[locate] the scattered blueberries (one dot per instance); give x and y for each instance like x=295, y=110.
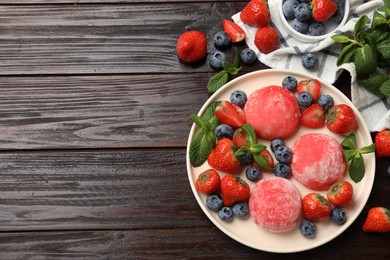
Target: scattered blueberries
x=282, y=170
x=225, y=214
x=238, y=97
x=275, y=144
x=223, y=131
x=288, y=8
x=216, y=59
x=246, y=158
x=214, y=202
x=290, y=83
x=240, y=210
x=253, y=173
x=316, y=29
x=300, y=26
x=307, y=228
x=283, y=154
x=302, y=12
x=338, y=216
x=305, y=99
x=326, y=101
x=222, y=40
x=248, y=56
x=310, y=61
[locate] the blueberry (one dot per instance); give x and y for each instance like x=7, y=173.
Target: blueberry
x=238, y=97
x=253, y=173
x=299, y=26
x=305, y=99
x=224, y=131
x=337, y=216
x=283, y=154
x=225, y=214
x=246, y=158
x=338, y=15
x=316, y=29
x=216, y=60
x=304, y=1
x=288, y=8
x=339, y=2
x=326, y=101
x=275, y=144
x=214, y=202
x=302, y=12
x=282, y=170
x=240, y=210
x=248, y=56
x=307, y=228
x=310, y=61
x=222, y=40
x=290, y=83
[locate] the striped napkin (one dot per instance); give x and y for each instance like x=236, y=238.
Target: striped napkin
x=375, y=110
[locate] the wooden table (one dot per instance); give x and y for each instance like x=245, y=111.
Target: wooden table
x=93, y=132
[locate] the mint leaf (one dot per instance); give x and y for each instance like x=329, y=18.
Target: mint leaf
x=349, y=143
x=242, y=151
x=374, y=82
x=359, y=26
x=200, y=122
x=349, y=155
x=260, y=161
x=367, y=149
x=383, y=48
x=209, y=112
x=347, y=54
x=357, y=168
x=385, y=88
x=257, y=148
x=217, y=81
x=249, y=134
x=365, y=60
x=201, y=146
x=340, y=38
x=378, y=20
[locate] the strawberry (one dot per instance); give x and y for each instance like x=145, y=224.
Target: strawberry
x=313, y=86
x=267, y=39
x=222, y=156
x=382, y=143
x=239, y=138
x=208, y=181
x=234, y=189
x=313, y=116
x=191, y=46
x=230, y=114
x=340, y=194
x=323, y=9
x=256, y=13
x=341, y=119
x=315, y=207
x=268, y=159
x=234, y=31
x=378, y=220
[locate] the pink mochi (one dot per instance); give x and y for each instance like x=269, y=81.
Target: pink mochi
x=275, y=204
x=318, y=161
x=273, y=111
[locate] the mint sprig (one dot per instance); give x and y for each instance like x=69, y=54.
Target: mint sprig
x=369, y=49
x=222, y=77
x=253, y=147
x=204, y=140
x=354, y=157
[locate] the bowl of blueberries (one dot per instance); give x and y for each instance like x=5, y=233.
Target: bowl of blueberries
x=313, y=20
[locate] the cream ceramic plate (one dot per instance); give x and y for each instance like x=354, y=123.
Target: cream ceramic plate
x=246, y=231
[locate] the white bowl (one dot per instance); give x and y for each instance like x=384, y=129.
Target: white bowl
x=330, y=26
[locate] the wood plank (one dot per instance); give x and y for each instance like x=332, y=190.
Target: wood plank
x=90, y=39
x=194, y=243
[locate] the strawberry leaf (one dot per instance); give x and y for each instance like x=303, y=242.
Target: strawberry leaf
x=357, y=168
x=260, y=161
x=217, y=81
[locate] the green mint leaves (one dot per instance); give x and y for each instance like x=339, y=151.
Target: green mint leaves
x=354, y=156
x=253, y=147
x=369, y=49
x=222, y=77
x=204, y=141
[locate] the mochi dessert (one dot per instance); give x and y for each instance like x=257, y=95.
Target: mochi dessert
x=275, y=204
x=273, y=111
x=317, y=160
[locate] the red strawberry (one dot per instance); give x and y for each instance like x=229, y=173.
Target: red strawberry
x=208, y=181
x=222, y=156
x=267, y=39
x=268, y=159
x=315, y=207
x=323, y=9
x=313, y=116
x=340, y=194
x=234, y=31
x=256, y=13
x=239, y=138
x=341, y=119
x=378, y=220
x=191, y=46
x=382, y=143
x=313, y=86
x=230, y=114
x=234, y=189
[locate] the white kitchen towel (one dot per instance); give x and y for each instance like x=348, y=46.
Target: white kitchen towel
x=375, y=110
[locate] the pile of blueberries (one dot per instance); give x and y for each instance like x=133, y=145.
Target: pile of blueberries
x=223, y=42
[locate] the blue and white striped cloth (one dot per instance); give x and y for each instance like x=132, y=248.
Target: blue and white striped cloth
x=375, y=110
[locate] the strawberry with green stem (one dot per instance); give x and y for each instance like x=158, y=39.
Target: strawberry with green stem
x=377, y=220
x=234, y=189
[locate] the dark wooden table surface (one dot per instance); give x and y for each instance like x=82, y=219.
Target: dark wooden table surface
x=93, y=131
